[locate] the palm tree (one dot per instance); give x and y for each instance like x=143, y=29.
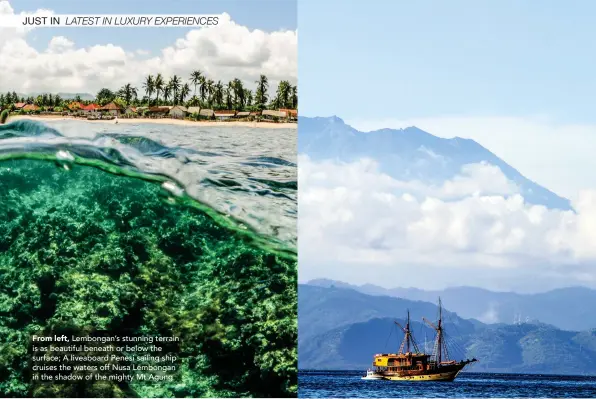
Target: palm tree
x=149, y=86
x=158, y=85
x=174, y=87
x=128, y=92
x=294, y=94
x=194, y=101
x=203, y=89
x=218, y=94
x=238, y=88
x=261, y=94
x=184, y=92
x=230, y=95
x=210, y=91
x=167, y=90
x=249, y=97
x=282, y=98
x=195, y=79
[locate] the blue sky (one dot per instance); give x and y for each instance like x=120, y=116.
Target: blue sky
x=255, y=14
x=518, y=77
x=412, y=59
x=258, y=37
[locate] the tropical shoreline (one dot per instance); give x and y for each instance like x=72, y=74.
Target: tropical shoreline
x=163, y=121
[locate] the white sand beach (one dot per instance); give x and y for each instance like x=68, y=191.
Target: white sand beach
x=164, y=121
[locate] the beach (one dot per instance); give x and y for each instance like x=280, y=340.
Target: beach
x=163, y=121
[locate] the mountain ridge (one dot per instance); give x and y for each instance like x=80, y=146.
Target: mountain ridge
x=411, y=154
x=342, y=335
x=563, y=308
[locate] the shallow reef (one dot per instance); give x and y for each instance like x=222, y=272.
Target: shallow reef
x=85, y=250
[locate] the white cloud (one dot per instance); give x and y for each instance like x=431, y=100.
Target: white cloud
x=222, y=53
x=59, y=44
x=7, y=34
x=364, y=226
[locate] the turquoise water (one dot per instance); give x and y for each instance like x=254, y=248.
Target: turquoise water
x=151, y=230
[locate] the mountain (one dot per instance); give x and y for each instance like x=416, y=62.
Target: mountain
x=323, y=309
x=410, y=154
x=340, y=328
x=564, y=308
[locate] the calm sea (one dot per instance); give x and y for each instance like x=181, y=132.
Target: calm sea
x=347, y=384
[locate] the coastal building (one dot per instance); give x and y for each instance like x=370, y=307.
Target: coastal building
x=112, y=109
x=243, y=114
x=31, y=108
x=194, y=110
x=178, y=112
x=19, y=105
x=75, y=106
x=291, y=113
x=207, y=113
x=89, y=108
x=158, y=112
x=130, y=111
x=141, y=110
x=224, y=114
x=271, y=114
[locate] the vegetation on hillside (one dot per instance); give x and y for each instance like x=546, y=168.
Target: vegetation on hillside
x=363, y=325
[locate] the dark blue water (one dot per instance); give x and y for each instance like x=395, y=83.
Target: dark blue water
x=347, y=384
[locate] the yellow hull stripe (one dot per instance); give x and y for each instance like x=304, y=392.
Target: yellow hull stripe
x=428, y=377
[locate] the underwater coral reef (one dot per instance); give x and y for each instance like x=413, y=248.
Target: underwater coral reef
x=87, y=250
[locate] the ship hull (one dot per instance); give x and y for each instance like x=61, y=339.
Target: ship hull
x=443, y=374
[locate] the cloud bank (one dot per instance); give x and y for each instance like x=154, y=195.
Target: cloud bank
x=224, y=52
x=359, y=225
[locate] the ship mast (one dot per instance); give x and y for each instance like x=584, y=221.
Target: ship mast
x=440, y=348
x=408, y=341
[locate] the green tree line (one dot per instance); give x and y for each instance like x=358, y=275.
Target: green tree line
x=198, y=90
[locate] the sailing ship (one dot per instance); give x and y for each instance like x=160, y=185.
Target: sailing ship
x=411, y=364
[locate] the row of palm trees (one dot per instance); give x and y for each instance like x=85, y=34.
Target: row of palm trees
x=211, y=94
x=173, y=91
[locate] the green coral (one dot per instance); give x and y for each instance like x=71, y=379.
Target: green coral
x=88, y=250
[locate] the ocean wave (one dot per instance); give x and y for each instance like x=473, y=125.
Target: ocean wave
x=243, y=191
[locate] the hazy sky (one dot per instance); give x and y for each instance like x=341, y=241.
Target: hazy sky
x=518, y=77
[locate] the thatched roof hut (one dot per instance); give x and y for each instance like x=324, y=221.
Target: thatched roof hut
x=276, y=114
x=207, y=113
x=111, y=107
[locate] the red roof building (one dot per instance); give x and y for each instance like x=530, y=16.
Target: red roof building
x=90, y=107
x=19, y=105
